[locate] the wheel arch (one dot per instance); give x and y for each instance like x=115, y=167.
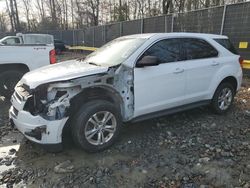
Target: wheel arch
x=98, y=92
x=92, y=93
x=15, y=66
x=232, y=80
x=228, y=79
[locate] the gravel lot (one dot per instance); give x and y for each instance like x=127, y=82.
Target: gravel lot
x=191, y=149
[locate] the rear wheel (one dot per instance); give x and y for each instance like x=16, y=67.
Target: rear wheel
x=8, y=81
x=223, y=98
x=96, y=126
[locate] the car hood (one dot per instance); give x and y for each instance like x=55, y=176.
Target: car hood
x=61, y=72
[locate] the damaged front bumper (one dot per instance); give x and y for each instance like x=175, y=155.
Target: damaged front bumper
x=35, y=127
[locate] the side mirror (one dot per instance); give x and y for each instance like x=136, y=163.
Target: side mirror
x=148, y=61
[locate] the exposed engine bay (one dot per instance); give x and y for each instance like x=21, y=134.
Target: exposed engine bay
x=52, y=101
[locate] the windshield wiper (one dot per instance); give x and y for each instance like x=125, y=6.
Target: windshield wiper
x=91, y=63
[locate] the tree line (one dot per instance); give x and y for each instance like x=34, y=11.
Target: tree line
x=35, y=15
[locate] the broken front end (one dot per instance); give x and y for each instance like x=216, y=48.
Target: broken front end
x=41, y=113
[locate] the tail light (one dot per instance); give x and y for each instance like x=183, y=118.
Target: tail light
x=241, y=61
x=52, y=56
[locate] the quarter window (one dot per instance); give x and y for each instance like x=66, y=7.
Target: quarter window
x=167, y=50
x=226, y=43
x=198, y=49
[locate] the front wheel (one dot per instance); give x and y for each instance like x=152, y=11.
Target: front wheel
x=96, y=126
x=223, y=98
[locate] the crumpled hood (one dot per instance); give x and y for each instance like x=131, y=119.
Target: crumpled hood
x=60, y=72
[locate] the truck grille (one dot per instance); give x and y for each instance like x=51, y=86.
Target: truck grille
x=14, y=112
x=22, y=91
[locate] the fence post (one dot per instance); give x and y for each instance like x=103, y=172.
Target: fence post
x=93, y=42
x=61, y=35
x=166, y=24
x=73, y=33
x=104, y=34
x=223, y=19
x=142, y=23
x=120, y=29
x=172, y=24
x=83, y=36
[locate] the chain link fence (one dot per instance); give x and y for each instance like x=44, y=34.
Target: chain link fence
x=232, y=20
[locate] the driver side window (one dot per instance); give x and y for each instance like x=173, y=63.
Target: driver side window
x=12, y=41
x=167, y=50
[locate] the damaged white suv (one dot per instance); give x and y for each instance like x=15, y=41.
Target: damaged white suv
x=131, y=78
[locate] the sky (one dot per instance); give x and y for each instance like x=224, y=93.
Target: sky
x=2, y=5
x=3, y=8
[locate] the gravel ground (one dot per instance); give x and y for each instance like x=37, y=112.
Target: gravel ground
x=191, y=149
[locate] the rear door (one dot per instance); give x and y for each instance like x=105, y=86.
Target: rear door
x=202, y=63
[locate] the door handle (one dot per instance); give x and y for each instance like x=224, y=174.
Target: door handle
x=215, y=63
x=178, y=70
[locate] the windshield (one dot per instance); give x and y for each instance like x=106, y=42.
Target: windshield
x=3, y=39
x=114, y=52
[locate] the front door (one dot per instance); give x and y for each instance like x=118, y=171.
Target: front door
x=163, y=86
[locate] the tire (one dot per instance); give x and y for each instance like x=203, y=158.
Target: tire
x=8, y=81
x=89, y=132
x=224, y=94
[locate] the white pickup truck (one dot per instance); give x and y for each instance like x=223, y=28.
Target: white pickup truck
x=16, y=60
x=29, y=38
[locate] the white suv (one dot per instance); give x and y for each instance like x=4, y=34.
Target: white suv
x=130, y=79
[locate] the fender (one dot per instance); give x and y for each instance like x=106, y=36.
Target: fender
x=14, y=66
x=101, y=91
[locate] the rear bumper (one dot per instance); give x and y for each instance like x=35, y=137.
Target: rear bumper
x=36, y=128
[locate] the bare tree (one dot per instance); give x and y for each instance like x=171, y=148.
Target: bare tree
x=16, y=15
x=167, y=6
x=66, y=14
x=13, y=14
x=3, y=23
x=10, y=16
x=94, y=10
x=52, y=7
x=40, y=7
x=26, y=4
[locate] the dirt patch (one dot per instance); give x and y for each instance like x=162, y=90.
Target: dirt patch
x=195, y=148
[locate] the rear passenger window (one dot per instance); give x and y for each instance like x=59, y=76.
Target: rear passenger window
x=226, y=43
x=198, y=49
x=167, y=50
